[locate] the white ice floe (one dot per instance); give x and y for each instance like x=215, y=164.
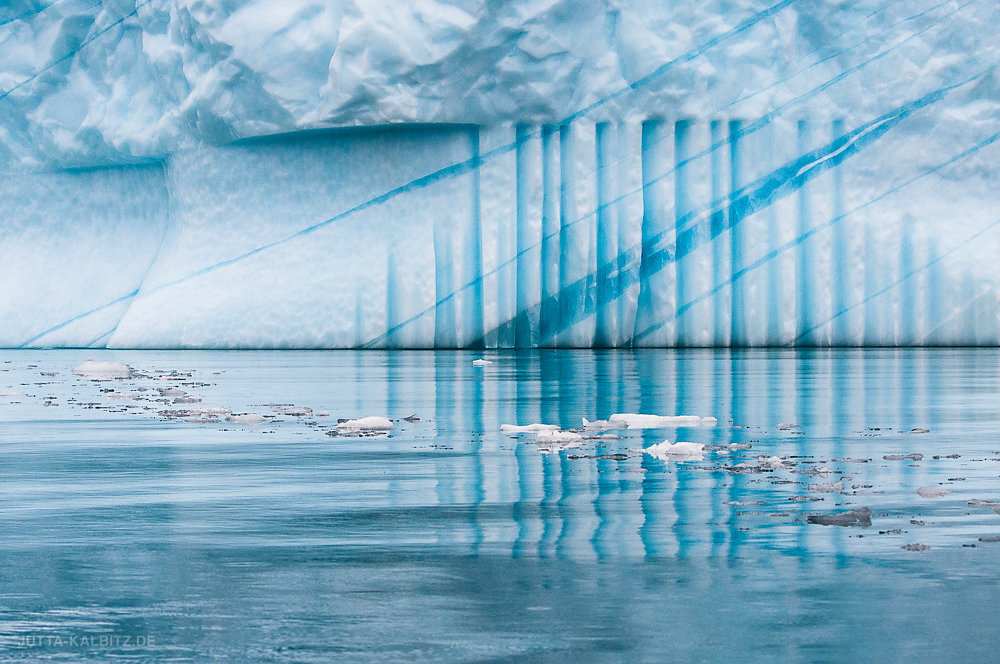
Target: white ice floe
x=552, y=436
x=102, y=370
x=676, y=451
x=931, y=492
x=370, y=424
x=773, y=462
x=297, y=412
x=550, y=441
x=643, y=421
x=209, y=411
x=481, y=363
x=12, y=394
x=602, y=425
x=247, y=418
x=528, y=428
x=835, y=487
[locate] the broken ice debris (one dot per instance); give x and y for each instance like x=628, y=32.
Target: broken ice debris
x=914, y=547
x=102, y=370
x=481, y=363
x=860, y=517
x=931, y=492
x=836, y=487
x=642, y=421
x=297, y=412
x=773, y=462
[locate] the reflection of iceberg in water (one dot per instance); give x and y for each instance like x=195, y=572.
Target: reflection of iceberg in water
x=494, y=493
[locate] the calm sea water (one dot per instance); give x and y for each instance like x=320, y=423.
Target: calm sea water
x=130, y=534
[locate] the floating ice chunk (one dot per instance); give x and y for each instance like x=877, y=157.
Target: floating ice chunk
x=13, y=394
x=990, y=538
x=247, y=418
x=481, y=362
x=860, y=517
x=918, y=430
x=170, y=392
x=931, y=492
x=368, y=424
x=835, y=487
x=641, y=421
x=903, y=457
x=551, y=436
x=914, y=547
x=602, y=425
x=209, y=411
x=102, y=370
x=122, y=395
x=528, y=428
x=976, y=502
x=49, y=373
x=677, y=451
x=787, y=427
x=771, y=462
x=187, y=399
x=322, y=413
x=297, y=412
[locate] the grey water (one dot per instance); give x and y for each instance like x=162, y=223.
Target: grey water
x=128, y=533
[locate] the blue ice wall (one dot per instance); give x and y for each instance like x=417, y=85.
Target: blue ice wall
x=839, y=191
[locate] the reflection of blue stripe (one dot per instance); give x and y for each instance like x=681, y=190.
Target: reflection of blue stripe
x=118, y=300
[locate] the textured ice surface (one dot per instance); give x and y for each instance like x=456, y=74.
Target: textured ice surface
x=306, y=174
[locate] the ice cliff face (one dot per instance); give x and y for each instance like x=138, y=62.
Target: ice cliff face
x=558, y=173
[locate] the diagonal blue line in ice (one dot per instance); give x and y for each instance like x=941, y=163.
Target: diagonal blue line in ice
x=441, y=174
x=72, y=320
x=906, y=276
x=963, y=309
x=28, y=14
x=791, y=244
x=763, y=121
x=71, y=54
x=868, y=38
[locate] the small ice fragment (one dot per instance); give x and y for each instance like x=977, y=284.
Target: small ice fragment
x=677, y=451
x=481, y=362
x=708, y=422
x=50, y=373
x=602, y=425
x=739, y=446
x=850, y=460
x=364, y=424
x=990, y=538
x=787, y=427
x=209, y=411
x=102, y=370
x=187, y=400
x=528, y=428
x=322, y=413
x=170, y=392
x=836, y=487
x=771, y=462
x=554, y=436
x=918, y=430
x=914, y=547
x=642, y=421
x=903, y=457
x=13, y=394
x=931, y=492
x=412, y=418
x=247, y=418
x=860, y=517
x=297, y=412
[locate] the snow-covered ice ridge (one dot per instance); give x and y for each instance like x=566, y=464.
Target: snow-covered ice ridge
x=304, y=174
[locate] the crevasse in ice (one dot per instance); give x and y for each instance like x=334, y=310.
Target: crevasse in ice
x=575, y=173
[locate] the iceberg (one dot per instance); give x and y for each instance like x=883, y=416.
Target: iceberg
x=354, y=174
